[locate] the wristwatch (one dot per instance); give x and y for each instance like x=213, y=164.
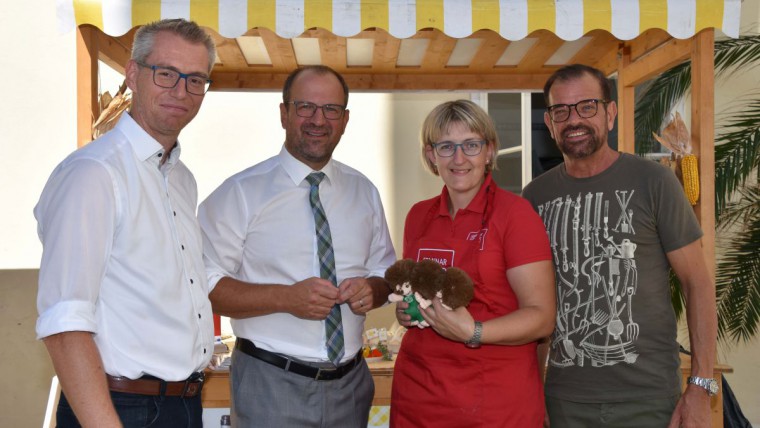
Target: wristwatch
x=474, y=341
x=709, y=384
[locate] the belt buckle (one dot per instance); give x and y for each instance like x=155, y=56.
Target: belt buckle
x=193, y=384
x=319, y=373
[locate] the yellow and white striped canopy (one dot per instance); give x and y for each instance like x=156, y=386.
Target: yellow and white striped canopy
x=512, y=19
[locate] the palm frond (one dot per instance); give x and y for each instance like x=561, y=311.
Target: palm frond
x=737, y=152
x=732, y=55
x=738, y=283
x=656, y=102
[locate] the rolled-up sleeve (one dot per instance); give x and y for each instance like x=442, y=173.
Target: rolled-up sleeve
x=222, y=217
x=76, y=218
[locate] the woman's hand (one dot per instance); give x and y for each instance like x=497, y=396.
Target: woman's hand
x=457, y=325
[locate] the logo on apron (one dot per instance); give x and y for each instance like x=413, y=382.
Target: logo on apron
x=478, y=235
x=445, y=258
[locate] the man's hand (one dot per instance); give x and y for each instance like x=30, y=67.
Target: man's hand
x=692, y=410
x=312, y=298
x=358, y=293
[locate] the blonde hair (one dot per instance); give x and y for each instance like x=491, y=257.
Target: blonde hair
x=469, y=114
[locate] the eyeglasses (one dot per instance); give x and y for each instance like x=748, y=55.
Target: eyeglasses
x=447, y=149
x=307, y=109
x=585, y=109
x=166, y=77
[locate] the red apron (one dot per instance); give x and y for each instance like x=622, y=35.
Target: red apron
x=439, y=382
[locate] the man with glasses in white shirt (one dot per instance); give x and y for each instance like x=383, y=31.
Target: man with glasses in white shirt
x=123, y=296
x=296, y=248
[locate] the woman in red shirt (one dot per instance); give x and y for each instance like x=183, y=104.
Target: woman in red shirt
x=475, y=366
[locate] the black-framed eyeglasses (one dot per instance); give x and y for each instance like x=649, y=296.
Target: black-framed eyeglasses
x=585, y=109
x=166, y=77
x=446, y=149
x=307, y=109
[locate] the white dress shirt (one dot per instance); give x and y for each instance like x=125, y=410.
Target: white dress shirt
x=122, y=256
x=258, y=227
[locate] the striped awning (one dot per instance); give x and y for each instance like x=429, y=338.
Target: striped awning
x=512, y=19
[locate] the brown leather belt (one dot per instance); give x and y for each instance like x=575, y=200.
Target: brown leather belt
x=247, y=347
x=150, y=386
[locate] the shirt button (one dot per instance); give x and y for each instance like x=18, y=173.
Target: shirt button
x=160, y=154
x=199, y=316
x=175, y=213
x=183, y=247
x=204, y=350
x=191, y=281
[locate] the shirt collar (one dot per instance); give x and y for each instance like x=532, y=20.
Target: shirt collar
x=145, y=147
x=297, y=170
x=477, y=204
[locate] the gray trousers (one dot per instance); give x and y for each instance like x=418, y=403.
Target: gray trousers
x=266, y=396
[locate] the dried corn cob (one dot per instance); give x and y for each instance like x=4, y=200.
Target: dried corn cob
x=690, y=173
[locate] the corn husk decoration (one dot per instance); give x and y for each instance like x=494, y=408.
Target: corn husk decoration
x=676, y=137
x=111, y=109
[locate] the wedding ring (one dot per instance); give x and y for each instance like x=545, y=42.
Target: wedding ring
x=361, y=303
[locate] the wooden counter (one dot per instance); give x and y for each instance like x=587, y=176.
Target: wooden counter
x=216, y=391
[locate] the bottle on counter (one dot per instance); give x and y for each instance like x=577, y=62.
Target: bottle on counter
x=225, y=421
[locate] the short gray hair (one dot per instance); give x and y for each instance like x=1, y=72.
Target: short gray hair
x=145, y=37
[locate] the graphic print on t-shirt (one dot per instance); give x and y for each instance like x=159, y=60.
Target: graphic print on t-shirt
x=596, y=276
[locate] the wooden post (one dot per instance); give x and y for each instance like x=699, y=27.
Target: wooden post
x=87, y=82
x=703, y=136
x=626, y=103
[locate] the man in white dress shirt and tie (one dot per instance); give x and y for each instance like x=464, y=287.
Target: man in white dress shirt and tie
x=295, y=249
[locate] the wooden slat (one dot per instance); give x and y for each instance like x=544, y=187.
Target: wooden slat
x=703, y=136
x=280, y=50
x=438, y=51
x=332, y=48
x=87, y=82
x=546, y=46
x=389, y=82
x=385, y=51
x=490, y=51
x=230, y=55
x=661, y=58
x=599, y=51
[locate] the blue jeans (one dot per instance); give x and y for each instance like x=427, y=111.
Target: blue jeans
x=139, y=411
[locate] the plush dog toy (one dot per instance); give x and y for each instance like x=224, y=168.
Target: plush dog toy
x=417, y=283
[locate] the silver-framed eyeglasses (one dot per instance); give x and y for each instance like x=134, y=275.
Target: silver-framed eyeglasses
x=167, y=77
x=329, y=111
x=446, y=149
x=585, y=109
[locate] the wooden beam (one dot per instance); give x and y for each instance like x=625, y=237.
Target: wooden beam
x=626, y=104
x=703, y=136
x=224, y=81
x=87, y=82
x=664, y=57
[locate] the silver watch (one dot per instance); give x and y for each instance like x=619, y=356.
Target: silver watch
x=709, y=384
x=474, y=341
